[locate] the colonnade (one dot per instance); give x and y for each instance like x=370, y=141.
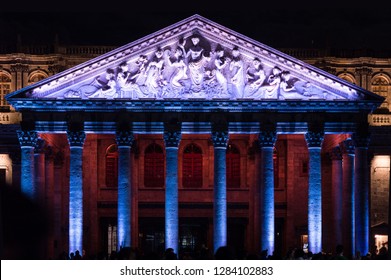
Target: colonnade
x=350, y=178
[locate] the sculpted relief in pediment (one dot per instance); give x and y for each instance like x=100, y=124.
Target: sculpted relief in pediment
x=195, y=68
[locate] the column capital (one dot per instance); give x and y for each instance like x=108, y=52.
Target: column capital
x=220, y=138
x=172, y=138
x=76, y=138
x=314, y=139
x=267, y=138
x=336, y=153
x=124, y=138
x=40, y=146
x=361, y=140
x=27, y=138
x=347, y=146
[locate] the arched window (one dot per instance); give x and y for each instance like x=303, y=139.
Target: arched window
x=5, y=88
x=192, y=167
x=233, y=166
x=347, y=77
x=381, y=86
x=36, y=77
x=112, y=166
x=154, y=166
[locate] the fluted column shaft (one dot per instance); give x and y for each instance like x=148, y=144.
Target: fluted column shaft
x=171, y=140
x=347, y=148
x=76, y=142
x=267, y=229
x=124, y=210
x=28, y=140
x=39, y=161
x=314, y=142
x=361, y=193
x=337, y=194
x=220, y=141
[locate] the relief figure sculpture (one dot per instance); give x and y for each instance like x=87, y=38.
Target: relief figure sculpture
x=176, y=84
x=221, y=62
x=237, y=76
x=99, y=88
x=255, y=77
x=154, y=81
x=287, y=88
x=271, y=89
x=196, y=61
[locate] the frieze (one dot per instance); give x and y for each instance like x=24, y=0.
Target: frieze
x=196, y=68
x=195, y=59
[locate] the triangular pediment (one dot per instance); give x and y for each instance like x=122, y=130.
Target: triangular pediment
x=194, y=59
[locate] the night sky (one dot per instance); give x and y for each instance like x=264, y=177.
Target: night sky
x=300, y=24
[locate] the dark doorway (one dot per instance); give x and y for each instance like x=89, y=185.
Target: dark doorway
x=193, y=237
x=2, y=177
x=278, y=238
x=108, y=233
x=151, y=237
x=236, y=230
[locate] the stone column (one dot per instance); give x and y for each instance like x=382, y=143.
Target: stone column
x=39, y=159
x=124, y=140
x=314, y=143
x=337, y=194
x=347, y=149
x=220, y=141
x=364, y=74
x=267, y=140
x=28, y=140
x=361, y=193
x=171, y=140
x=389, y=209
x=76, y=142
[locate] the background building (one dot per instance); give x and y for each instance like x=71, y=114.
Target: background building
x=26, y=65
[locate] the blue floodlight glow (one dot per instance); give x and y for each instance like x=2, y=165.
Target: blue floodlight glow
x=220, y=198
x=267, y=200
x=171, y=209
x=76, y=200
x=314, y=201
x=124, y=197
x=361, y=199
x=27, y=172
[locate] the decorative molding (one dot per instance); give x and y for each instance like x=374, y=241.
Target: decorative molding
x=336, y=153
x=193, y=105
x=347, y=146
x=40, y=146
x=361, y=140
x=27, y=138
x=172, y=138
x=195, y=58
x=220, y=139
x=267, y=138
x=124, y=138
x=314, y=139
x=19, y=68
x=76, y=138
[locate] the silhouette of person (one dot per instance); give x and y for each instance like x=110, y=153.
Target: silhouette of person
x=24, y=226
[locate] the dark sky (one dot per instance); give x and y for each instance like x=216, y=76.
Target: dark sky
x=300, y=24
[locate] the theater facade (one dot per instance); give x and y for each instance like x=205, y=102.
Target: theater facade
x=196, y=137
